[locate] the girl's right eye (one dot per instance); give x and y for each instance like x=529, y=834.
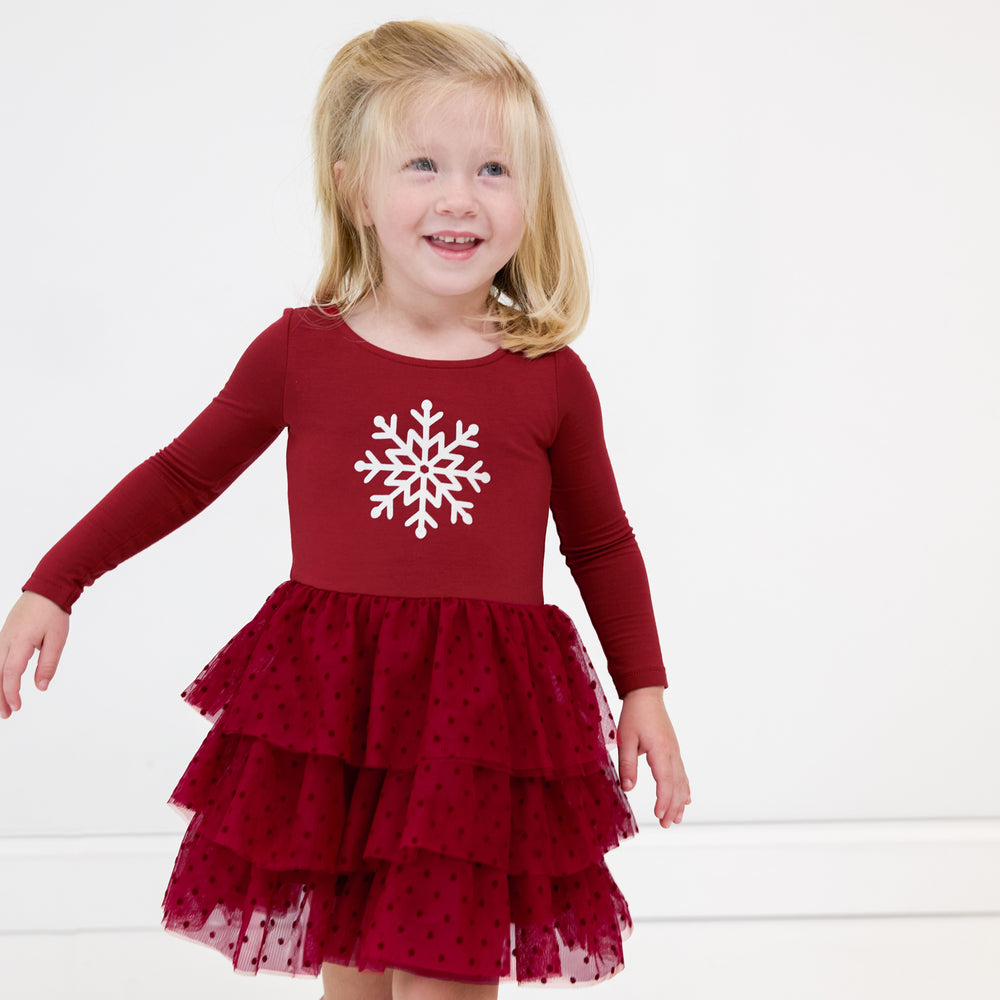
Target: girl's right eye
x=421, y=163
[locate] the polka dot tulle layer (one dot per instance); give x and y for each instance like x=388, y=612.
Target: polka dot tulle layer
x=408, y=783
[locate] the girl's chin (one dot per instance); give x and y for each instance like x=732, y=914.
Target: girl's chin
x=463, y=295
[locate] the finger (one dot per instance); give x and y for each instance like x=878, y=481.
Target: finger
x=48, y=658
x=15, y=663
x=664, y=788
x=5, y=710
x=673, y=813
x=681, y=799
x=667, y=786
x=628, y=759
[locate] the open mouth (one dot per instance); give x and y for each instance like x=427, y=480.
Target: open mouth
x=453, y=246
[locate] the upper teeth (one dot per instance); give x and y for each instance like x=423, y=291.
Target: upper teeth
x=456, y=239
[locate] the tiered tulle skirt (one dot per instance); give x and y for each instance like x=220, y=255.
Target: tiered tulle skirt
x=410, y=783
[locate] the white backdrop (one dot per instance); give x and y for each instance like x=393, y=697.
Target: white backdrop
x=792, y=213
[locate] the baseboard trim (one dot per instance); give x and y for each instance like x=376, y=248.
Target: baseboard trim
x=786, y=870
x=691, y=872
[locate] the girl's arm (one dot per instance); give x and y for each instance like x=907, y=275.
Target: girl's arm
x=602, y=554
x=180, y=480
x=151, y=501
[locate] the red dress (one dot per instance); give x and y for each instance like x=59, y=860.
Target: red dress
x=408, y=762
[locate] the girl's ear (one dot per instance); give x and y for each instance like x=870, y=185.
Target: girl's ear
x=364, y=216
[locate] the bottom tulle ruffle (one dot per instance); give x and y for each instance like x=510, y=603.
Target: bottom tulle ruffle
x=411, y=783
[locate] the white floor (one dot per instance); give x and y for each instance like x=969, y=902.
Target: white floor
x=919, y=958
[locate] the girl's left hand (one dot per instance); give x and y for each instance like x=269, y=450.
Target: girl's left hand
x=644, y=728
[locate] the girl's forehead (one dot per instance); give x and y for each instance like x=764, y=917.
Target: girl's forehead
x=472, y=115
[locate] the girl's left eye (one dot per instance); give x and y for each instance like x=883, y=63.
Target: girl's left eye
x=493, y=169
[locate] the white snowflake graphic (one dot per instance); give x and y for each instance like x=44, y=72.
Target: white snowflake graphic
x=423, y=469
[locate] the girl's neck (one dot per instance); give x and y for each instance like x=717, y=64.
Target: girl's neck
x=442, y=332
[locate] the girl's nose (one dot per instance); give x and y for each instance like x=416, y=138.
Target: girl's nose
x=456, y=197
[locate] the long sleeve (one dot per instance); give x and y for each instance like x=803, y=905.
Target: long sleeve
x=595, y=536
x=177, y=482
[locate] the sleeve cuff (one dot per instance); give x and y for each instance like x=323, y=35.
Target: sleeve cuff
x=635, y=679
x=57, y=593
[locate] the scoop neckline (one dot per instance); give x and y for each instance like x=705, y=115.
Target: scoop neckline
x=408, y=359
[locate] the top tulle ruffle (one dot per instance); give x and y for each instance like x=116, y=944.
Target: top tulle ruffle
x=385, y=681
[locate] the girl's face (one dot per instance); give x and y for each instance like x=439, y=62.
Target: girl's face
x=446, y=211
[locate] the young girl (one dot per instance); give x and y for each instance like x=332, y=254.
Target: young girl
x=407, y=786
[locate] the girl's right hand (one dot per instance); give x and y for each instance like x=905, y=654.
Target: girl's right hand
x=34, y=622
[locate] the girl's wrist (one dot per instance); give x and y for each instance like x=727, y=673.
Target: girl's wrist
x=638, y=694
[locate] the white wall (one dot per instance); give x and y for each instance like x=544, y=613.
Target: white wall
x=792, y=211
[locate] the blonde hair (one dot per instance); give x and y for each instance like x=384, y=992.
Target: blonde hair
x=540, y=298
